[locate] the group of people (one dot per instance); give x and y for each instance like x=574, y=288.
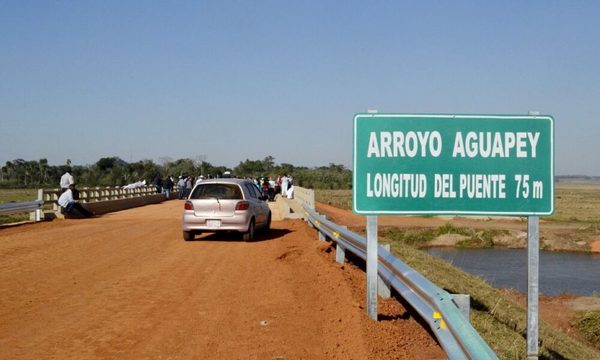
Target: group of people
x=286, y=182
x=164, y=186
x=283, y=185
x=184, y=184
x=69, y=197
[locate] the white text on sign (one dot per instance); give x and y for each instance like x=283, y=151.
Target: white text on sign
x=471, y=144
x=445, y=186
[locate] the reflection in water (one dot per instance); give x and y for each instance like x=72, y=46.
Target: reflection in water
x=560, y=272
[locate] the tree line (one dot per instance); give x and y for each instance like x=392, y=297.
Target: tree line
x=114, y=171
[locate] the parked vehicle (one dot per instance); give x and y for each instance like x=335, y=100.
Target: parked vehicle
x=225, y=204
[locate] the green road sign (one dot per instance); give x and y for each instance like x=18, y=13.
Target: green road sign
x=453, y=164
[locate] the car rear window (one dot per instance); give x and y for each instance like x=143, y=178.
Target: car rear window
x=219, y=191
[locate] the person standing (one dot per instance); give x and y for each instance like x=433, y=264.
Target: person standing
x=284, y=185
x=66, y=180
x=189, y=184
x=168, y=187
x=271, y=190
x=181, y=185
x=158, y=183
x=278, y=185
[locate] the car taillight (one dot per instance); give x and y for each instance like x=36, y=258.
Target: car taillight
x=242, y=205
x=188, y=205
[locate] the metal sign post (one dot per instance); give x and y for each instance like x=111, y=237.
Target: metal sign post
x=533, y=253
x=372, y=267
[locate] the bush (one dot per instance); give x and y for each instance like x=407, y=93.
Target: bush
x=588, y=324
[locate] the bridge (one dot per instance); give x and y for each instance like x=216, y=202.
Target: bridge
x=125, y=285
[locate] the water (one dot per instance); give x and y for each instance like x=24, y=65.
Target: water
x=560, y=272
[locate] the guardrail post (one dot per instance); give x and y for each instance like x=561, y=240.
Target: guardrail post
x=38, y=213
x=384, y=289
x=322, y=236
x=463, y=302
x=340, y=251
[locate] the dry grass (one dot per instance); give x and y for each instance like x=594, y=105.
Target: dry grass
x=339, y=198
x=588, y=323
x=577, y=203
x=17, y=195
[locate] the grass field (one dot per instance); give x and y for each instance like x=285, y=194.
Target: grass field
x=574, y=202
x=577, y=203
x=16, y=195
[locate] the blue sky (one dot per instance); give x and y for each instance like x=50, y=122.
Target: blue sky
x=236, y=80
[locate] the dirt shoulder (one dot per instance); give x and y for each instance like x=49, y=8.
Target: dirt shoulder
x=126, y=286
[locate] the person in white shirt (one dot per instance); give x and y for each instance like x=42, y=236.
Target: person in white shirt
x=181, y=184
x=68, y=203
x=284, y=185
x=290, y=191
x=65, y=180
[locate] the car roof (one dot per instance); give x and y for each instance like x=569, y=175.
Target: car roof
x=224, y=181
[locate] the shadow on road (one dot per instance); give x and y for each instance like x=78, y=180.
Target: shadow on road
x=233, y=236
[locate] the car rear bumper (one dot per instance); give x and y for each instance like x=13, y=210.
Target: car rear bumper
x=238, y=222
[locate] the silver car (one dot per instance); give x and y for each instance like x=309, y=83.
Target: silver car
x=225, y=205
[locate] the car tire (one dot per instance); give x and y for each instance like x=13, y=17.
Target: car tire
x=249, y=235
x=188, y=235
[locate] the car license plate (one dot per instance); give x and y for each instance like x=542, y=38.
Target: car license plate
x=213, y=224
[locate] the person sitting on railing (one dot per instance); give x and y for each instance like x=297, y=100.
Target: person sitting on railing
x=69, y=203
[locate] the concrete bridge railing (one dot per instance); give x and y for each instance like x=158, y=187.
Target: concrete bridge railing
x=101, y=200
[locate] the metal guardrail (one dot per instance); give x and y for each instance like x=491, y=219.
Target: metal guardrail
x=456, y=335
x=29, y=206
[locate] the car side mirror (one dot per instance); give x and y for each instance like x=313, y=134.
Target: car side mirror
x=263, y=197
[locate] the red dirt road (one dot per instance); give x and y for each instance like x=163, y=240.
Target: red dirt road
x=126, y=286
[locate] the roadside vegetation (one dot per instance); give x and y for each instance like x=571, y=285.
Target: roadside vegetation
x=470, y=238
x=499, y=320
x=588, y=324
x=341, y=198
x=577, y=202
